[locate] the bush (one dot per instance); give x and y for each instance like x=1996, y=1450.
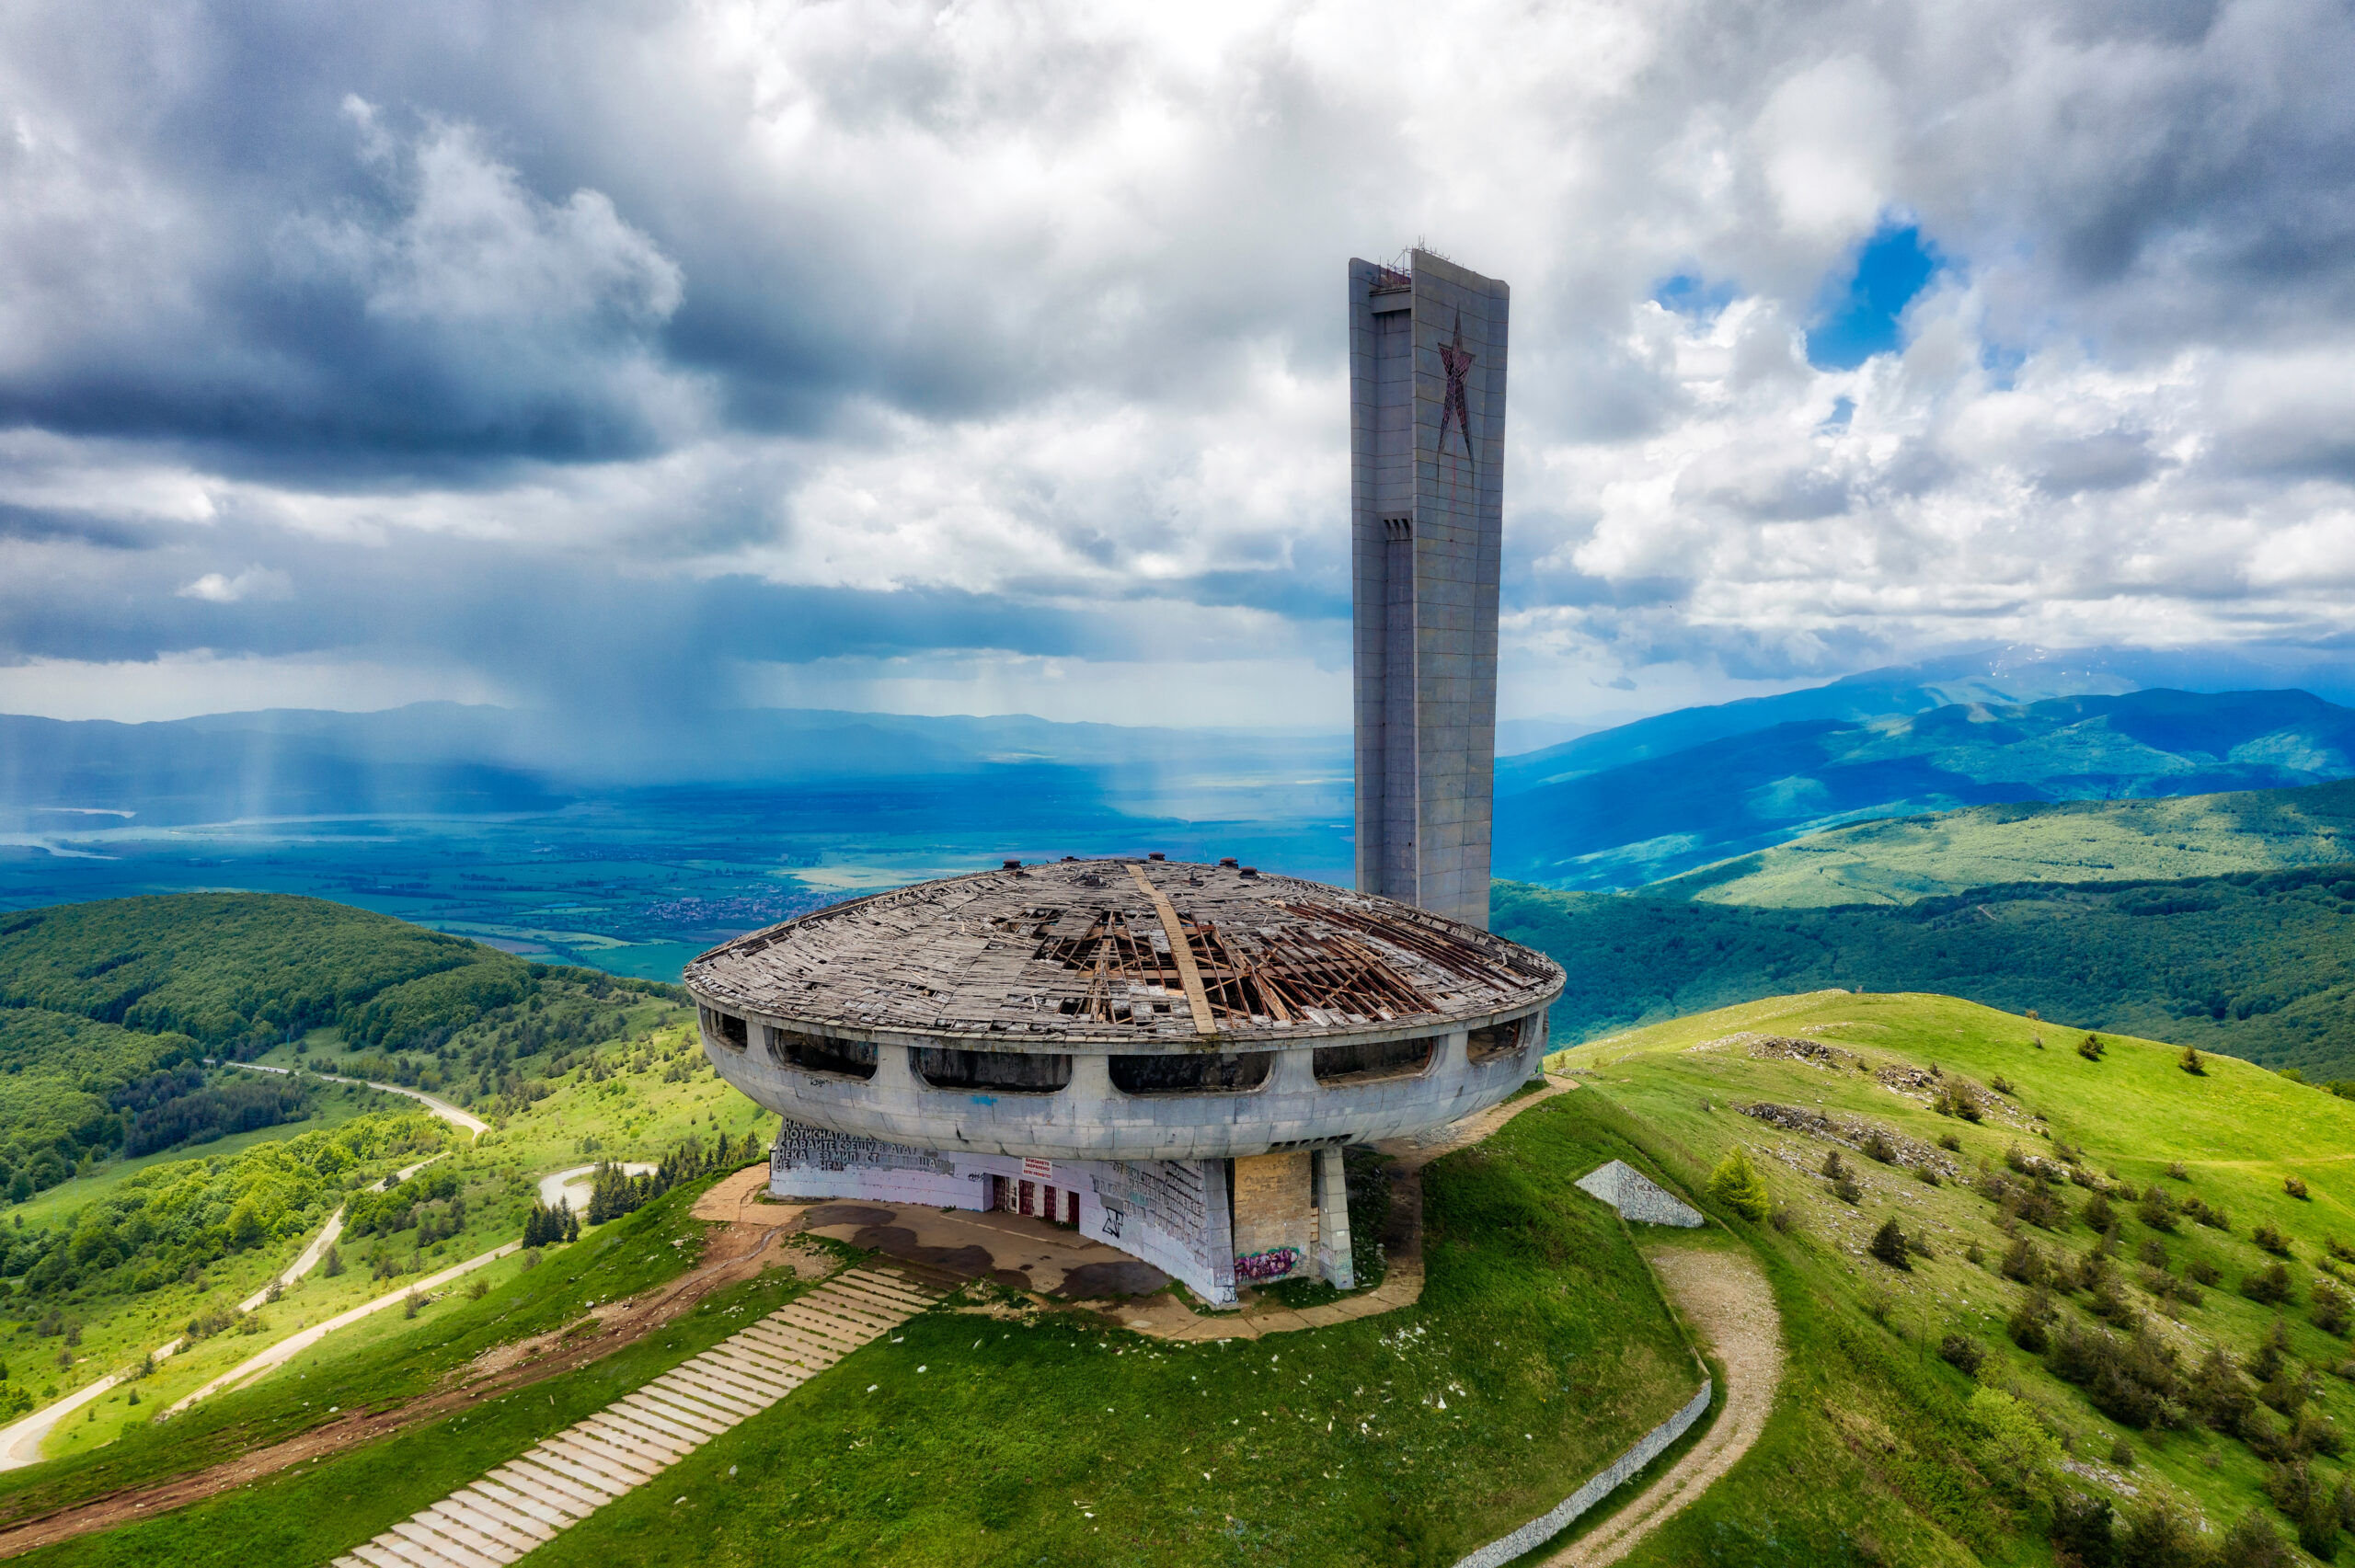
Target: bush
x=1785, y=1219
x=1737, y=1184
x=2295, y=1187
x=2014, y=1447
x=2029, y=1324
x=1878, y=1146
x=1963, y=1352
x=2271, y=1240
x=2159, y=1535
x=2157, y=1210
x=1846, y=1189
x=2023, y=1261
x=2189, y=1061
x=2331, y=1312
x=2084, y=1529
x=2252, y=1543
x=2090, y=1048
x=2176, y=1173
x=1888, y=1244
x=2269, y=1287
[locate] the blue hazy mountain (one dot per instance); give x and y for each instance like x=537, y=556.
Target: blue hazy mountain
x=1613, y=811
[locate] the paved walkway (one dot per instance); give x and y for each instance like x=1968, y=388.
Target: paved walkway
x=567, y=1477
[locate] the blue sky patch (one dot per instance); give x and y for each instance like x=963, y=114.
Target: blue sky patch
x=1859, y=317
x=1688, y=295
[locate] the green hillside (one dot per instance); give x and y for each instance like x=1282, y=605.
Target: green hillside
x=2259, y=966
x=1900, y=860
x=2078, y=1317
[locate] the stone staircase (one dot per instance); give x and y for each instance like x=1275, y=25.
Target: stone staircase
x=567, y=1477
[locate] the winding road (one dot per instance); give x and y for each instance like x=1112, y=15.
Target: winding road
x=1724, y=1297
x=20, y=1442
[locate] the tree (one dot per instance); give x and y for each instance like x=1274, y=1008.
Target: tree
x=1888, y=1245
x=1737, y=1184
x=2013, y=1445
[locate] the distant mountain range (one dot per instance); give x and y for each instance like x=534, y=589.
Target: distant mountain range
x=1615, y=811
x=1618, y=808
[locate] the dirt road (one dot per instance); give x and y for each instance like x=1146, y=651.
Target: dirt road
x=1724, y=1298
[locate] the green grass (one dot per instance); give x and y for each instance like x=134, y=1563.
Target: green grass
x=1871, y=1455
x=978, y=1439
x=2260, y=967
x=402, y=1359
x=53, y=1206
x=1904, y=859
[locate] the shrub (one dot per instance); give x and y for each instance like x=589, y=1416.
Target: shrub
x=2331, y=1313
x=1737, y=1184
x=2271, y=1240
x=2252, y=1543
x=1890, y=1246
x=2295, y=1187
x=1785, y=1219
x=2084, y=1531
x=1846, y=1189
x=1955, y=1098
x=2090, y=1048
x=2189, y=1061
x=1951, y=1144
x=2029, y=1324
x=2176, y=1172
x=1926, y=1174
x=2152, y=1254
x=331, y=1262
x=2000, y=1084
x=2014, y=1447
x=1963, y=1352
x=2268, y=1286
x=1833, y=1166
x=1878, y=1146
x=1975, y=1254
x=2121, y=1454
x=2157, y=1210
x=2159, y=1535
x=2023, y=1261
x=2097, y=1214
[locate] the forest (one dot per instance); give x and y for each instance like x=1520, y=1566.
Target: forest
x=2255, y=965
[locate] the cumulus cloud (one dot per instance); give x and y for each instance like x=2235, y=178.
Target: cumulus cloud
x=919, y=349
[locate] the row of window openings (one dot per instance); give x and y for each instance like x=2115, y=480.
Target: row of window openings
x=1036, y=1072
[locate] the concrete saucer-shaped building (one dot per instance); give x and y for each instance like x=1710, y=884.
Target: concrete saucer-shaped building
x=1169, y=1057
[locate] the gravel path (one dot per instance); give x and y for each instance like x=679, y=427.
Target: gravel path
x=1725, y=1300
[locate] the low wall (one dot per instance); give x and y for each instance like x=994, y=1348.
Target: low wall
x=1600, y=1486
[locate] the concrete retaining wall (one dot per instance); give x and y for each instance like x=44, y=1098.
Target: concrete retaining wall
x=1636, y=1197
x=1600, y=1486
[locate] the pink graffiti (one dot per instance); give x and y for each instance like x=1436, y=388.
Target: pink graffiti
x=1273, y=1264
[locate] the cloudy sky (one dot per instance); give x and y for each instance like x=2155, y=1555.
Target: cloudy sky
x=988, y=357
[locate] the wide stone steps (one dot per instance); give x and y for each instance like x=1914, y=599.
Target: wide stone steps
x=563, y=1479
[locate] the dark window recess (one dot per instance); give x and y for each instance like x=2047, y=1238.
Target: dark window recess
x=815, y=1053
x=1003, y=1073
x=1206, y=1074
x=1496, y=1040
x=1373, y=1058
x=728, y=1031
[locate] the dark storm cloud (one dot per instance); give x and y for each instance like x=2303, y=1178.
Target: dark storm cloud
x=602, y=348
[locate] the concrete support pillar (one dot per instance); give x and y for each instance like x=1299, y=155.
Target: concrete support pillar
x=1293, y=1072
x=1087, y=1100
x=894, y=1070
x=1218, y=1233
x=1332, y=1192
x=1273, y=1215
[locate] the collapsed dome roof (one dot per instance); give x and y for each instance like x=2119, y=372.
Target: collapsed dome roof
x=1081, y=952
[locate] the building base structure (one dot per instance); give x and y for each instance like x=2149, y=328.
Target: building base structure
x=1211, y=1225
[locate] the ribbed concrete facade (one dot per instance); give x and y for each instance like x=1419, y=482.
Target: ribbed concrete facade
x=1427, y=439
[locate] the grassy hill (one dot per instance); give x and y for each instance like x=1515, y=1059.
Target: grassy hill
x=2259, y=966
x=1659, y=815
x=2146, y=1376
x=1900, y=860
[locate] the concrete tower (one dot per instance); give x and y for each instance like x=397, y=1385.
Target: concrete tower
x=1427, y=440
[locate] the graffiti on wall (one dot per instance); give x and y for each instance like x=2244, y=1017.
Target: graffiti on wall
x=1273, y=1264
